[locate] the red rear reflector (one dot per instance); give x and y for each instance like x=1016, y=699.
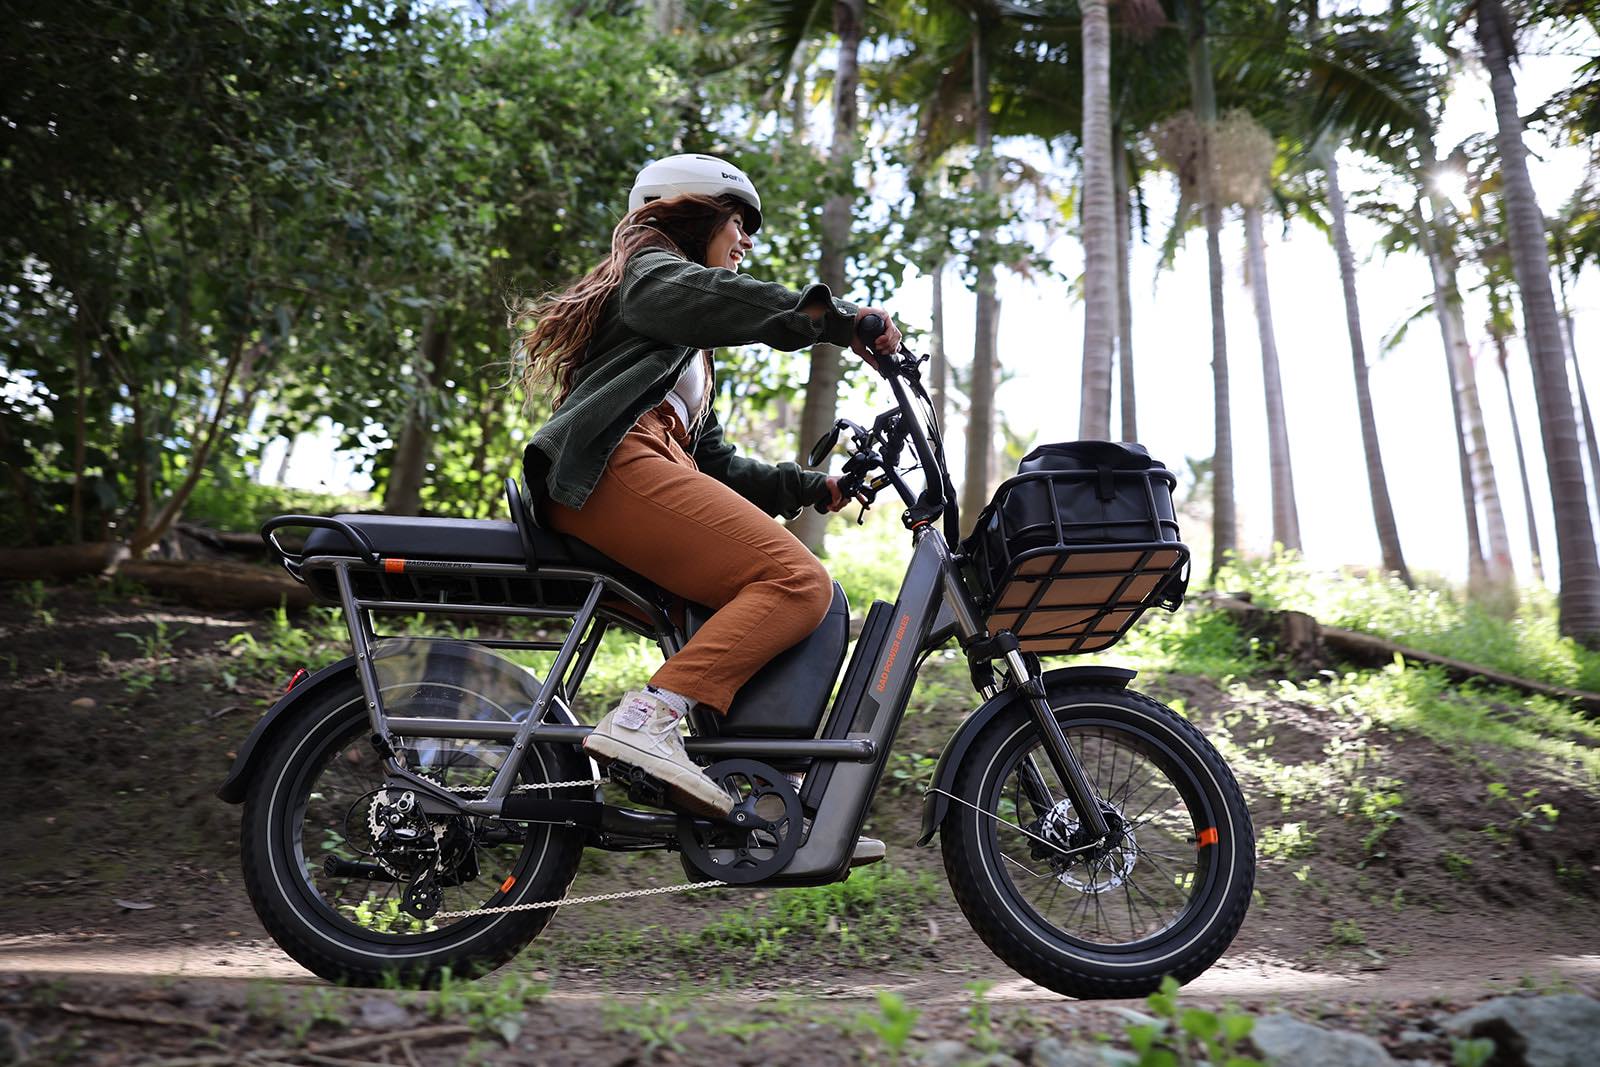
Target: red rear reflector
x=1208, y=836
x=505, y=886
x=295, y=679
x=394, y=566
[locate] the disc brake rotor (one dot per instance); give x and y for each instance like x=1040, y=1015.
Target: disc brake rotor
x=760, y=835
x=1098, y=870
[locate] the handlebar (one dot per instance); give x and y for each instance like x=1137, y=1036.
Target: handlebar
x=937, y=497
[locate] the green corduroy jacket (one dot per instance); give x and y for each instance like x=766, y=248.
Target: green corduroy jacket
x=666, y=310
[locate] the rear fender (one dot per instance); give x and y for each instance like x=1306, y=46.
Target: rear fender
x=237, y=782
x=233, y=787
x=936, y=803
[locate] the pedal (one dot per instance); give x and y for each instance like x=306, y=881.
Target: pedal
x=643, y=788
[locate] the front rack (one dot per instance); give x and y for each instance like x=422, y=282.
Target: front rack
x=1083, y=598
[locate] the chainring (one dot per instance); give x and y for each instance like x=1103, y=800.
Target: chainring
x=757, y=839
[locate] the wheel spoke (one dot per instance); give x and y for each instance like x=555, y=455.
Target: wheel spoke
x=1111, y=902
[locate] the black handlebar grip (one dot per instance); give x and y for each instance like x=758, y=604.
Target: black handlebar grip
x=870, y=327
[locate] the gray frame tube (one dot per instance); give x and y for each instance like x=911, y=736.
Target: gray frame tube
x=876, y=718
x=506, y=776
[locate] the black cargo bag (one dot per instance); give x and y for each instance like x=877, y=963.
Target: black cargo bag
x=1072, y=550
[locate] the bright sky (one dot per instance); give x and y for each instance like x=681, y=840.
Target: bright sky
x=1041, y=336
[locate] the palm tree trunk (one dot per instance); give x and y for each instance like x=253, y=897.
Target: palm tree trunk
x=1382, y=509
x=1530, y=260
x=1119, y=174
x=1285, y=516
x=1477, y=569
x=980, y=404
x=669, y=16
x=80, y=386
x=288, y=456
x=1099, y=225
x=1522, y=460
x=1224, y=536
x=822, y=386
x=1589, y=435
x=1496, y=568
x=939, y=367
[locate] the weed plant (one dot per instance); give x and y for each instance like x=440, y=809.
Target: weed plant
x=1176, y=1036
x=892, y=1024
x=1194, y=640
x=863, y=915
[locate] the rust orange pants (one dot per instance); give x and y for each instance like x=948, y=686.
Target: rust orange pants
x=654, y=512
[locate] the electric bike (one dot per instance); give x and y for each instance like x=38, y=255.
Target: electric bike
x=423, y=803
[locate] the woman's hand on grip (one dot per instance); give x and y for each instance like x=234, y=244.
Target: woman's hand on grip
x=836, y=498
x=885, y=344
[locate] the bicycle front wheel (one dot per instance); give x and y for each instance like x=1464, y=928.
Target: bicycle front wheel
x=1163, y=894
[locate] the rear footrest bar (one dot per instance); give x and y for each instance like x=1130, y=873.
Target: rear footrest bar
x=848, y=750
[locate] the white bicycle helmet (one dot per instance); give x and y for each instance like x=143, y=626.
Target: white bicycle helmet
x=694, y=173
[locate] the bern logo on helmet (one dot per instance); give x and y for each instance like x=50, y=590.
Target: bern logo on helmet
x=733, y=177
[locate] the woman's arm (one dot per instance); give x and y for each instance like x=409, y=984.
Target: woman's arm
x=781, y=489
x=681, y=303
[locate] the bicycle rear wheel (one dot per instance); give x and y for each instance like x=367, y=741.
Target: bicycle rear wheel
x=333, y=901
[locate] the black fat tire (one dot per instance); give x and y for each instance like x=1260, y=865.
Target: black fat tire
x=1025, y=943
x=470, y=948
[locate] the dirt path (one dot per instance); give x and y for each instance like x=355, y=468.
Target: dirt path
x=1453, y=971
x=1447, y=892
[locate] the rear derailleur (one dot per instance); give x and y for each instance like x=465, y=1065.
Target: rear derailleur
x=427, y=854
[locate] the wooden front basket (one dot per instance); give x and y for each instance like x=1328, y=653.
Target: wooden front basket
x=1083, y=598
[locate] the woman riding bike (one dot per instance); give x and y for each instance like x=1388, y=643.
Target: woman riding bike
x=633, y=461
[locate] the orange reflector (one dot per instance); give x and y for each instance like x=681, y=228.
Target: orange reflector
x=394, y=566
x=1208, y=836
x=505, y=886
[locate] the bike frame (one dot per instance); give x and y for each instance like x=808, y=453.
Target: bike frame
x=847, y=762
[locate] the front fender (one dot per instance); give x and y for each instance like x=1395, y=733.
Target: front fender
x=233, y=787
x=936, y=802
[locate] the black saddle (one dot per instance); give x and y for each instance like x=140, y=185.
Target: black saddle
x=520, y=542
x=469, y=540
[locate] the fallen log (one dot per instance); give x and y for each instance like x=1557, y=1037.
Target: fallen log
x=248, y=544
x=218, y=584
x=1304, y=639
x=61, y=562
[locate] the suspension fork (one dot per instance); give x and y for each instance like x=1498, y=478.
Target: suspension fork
x=1062, y=759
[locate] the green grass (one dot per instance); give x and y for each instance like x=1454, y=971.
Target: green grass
x=1462, y=717
x=243, y=505
x=861, y=918
x=869, y=560
x=1434, y=617
x=1194, y=640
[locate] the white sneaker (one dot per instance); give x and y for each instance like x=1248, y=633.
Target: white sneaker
x=868, y=850
x=642, y=732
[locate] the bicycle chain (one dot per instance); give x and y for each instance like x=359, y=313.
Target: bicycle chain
x=591, y=899
x=577, y=900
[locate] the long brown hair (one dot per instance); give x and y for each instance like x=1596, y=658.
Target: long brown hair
x=554, y=331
